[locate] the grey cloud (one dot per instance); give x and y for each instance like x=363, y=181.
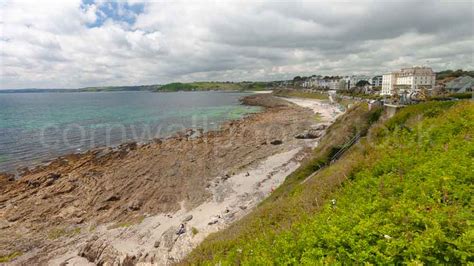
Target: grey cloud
x=251, y=40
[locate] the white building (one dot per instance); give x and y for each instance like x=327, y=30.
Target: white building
x=323, y=83
x=351, y=81
x=376, y=81
x=408, y=79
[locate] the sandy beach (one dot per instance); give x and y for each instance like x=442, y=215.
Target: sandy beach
x=156, y=216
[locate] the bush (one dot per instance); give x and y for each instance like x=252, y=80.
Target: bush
x=408, y=200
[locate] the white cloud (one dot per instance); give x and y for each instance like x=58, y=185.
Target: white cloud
x=51, y=44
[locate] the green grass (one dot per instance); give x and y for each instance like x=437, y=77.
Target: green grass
x=177, y=86
x=318, y=118
x=194, y=231
x=63, y=232
x=128, y=223
x=360, y=95
x=301, y=94
x=465, y=95
x=403, y=195
x=207, y=86
x=10, y=257
x=345, y=102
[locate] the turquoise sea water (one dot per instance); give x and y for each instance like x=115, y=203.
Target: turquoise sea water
x=36, y=127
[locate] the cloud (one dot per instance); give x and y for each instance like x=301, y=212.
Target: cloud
x=68, y=44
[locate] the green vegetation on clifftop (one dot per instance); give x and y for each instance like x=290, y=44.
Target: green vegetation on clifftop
x=403, y=194
x=207, y=86
x=301, y=94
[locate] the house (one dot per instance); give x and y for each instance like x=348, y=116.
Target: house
x=311, y=82
x=332, y=83
x=324, y=83
x=351, y=81
x=376, y=81
x=460, y=85
x=408, y=80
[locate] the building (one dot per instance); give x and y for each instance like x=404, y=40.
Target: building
x=460, y=85
x=318, y=82
x=351, y=81
x=376, y=81
x=408, y=80
x=311, y=82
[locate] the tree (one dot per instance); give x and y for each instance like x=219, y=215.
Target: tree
x=297, y=79
x=362, y=83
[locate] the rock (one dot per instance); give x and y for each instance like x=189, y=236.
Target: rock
x=181, y=230
x=129, y=260
x=188, y=218
x=66, y=188
x=23, y=171
x=229, y=216
x=157, y=244
x=102, y=207
x=79, y=220
x=54, y=176
x=33, y=183
x=320, y=127
x=309, y=134
x=135, y=205
x=130, y=146
x=4, y=224
x=214, y=221
x=49, y=182
x=112, y=197
x=102, y=153
x=168, y=238
x=243, y=207
x=6, y=177
x=276, y=142
x=99, y=252
x=192, y=133
x=14, y=217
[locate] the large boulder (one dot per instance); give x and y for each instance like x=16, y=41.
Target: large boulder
x=99, y=252
x=309, y=134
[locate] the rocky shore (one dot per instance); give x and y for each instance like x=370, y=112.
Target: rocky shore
x=152, y=203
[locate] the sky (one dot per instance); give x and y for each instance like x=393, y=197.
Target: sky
x=81, y=43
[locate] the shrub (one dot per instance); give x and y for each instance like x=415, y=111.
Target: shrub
x=408, y=200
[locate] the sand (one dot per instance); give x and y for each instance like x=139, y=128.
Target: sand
x=329, y=112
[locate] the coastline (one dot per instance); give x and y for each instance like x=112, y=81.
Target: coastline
x=124, y=224
x=38, y=139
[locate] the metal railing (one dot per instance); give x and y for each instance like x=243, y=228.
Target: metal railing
x=336, y=156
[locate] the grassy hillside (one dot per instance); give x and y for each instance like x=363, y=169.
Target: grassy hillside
x=292, y=201
x=453, y=74
x=88, y=89
x=120, y=88
x=207, y=86
x=402, y=195
x=171, y=87
x=301, y=94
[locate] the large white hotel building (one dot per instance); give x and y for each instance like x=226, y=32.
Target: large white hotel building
x=408, y=80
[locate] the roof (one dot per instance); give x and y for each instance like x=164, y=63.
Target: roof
x=461, y=83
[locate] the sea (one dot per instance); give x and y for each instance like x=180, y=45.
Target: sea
x=38, y=127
